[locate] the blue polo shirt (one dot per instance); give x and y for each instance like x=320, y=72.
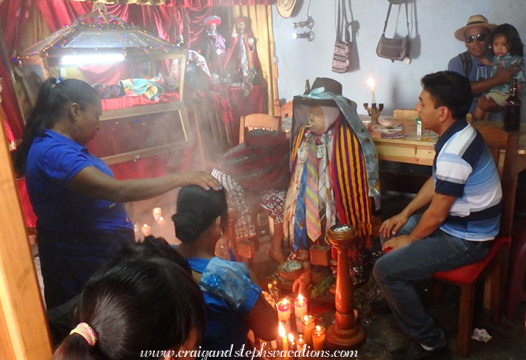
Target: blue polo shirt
x=53, y=160
x=464, y=168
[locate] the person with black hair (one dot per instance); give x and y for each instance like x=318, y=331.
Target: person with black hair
x=507, y=48
x=135, y=309
x=81, y=219
x=61, y=318
x=463, y=199
x=234, y=302
x=474, y=63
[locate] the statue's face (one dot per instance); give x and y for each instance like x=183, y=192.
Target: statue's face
x=212, y=27
x=241, y=27
x=316, y=122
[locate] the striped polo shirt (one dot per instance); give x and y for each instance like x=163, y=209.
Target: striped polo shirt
x=464, y=168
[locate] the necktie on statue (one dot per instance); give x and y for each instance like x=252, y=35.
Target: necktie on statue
x=312, y=211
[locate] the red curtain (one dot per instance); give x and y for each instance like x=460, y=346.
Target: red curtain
x=59, y=13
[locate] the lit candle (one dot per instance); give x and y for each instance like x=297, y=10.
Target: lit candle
x=157, y=213
x=300, y=310
x=285, y=343
x=146, y=229
x=301, y=344
x=308, y=326
x=291, y=342
x=160, y=221
x=318, y=337
x=284, y=310
x=370, y=82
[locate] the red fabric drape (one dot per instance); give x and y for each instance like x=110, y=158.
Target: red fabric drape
x=15, y=14
x=59, y=13
x=202, y=3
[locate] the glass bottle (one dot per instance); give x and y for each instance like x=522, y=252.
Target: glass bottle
x=512, y=109
x=307, y=87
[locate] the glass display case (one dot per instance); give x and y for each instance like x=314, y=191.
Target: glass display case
x=139, y=77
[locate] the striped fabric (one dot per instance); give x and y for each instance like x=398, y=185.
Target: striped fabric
x=349, y=181
x=312, y=214
x=348, y=185
x=465, y=169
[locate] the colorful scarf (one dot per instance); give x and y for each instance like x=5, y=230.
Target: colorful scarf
x=347, y=182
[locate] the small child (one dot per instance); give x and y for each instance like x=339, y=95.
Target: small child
x=508, y=49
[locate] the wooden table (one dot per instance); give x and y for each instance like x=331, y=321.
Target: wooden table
x=420, y=150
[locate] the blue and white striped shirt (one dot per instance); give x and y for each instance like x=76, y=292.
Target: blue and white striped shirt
x=464, y=168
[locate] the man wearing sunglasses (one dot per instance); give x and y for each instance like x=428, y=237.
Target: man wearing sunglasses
x=475, y=63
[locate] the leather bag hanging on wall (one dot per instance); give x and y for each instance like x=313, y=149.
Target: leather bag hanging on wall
x=342, y=46
x=395, y=48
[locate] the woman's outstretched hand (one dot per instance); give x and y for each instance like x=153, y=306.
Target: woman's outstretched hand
x=200, y=178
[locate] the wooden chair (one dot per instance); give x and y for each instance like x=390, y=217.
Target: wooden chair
x=258, y=121
x=245, y=249
x=504, y=149
x=286, y=110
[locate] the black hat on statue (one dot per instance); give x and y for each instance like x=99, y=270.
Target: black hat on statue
x=322, y=92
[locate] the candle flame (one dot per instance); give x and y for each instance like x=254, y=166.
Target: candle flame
x=291, y=338
x=306, y=318
x=318, y=327
x=281, y=330
x=300, y=298
x=371, y=83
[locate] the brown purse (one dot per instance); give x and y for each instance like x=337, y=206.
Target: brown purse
x=396, y=48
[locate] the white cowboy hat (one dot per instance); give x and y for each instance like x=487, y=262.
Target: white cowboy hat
x=474, y=20
x=285, y=7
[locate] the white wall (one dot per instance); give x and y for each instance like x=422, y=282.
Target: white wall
x=398, y=85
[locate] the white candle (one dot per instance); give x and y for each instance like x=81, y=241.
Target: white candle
x=160, y=221
x=291, y=342
x=146, y=229
x=157, y=213
x=300, y=310
x=284, y=310
x=284, y=338
x=371, y=83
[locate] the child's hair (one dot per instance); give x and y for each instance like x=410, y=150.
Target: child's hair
x=51, y=101
x=152, y=246
x=61, y=318
x=512, y=36
x=136, y=305
x=197, y=209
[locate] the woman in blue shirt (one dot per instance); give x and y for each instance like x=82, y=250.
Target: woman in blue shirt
x=81, y=219
x=234, y=303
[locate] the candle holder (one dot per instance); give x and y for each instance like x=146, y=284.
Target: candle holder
x=373, y=111
x=346, y=332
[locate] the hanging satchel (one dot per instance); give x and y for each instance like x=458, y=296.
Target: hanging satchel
x=342, y=47
x=395, y=48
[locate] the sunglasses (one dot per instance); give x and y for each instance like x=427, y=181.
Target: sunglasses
x=479, y=37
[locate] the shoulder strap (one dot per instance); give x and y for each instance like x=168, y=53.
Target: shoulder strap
x=387, y=17
x=389, y=13
x=466, y=62
x=339, y=22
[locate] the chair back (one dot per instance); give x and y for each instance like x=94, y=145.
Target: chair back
x=258, y=121
x=286, y=110
x=503, y=146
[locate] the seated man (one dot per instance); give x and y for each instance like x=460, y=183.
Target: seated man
x=462, y=218
x=257, y=168
x=334, y=171
x=475, y=63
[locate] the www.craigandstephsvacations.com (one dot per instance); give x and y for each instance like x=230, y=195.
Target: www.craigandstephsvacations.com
x=247, y=353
